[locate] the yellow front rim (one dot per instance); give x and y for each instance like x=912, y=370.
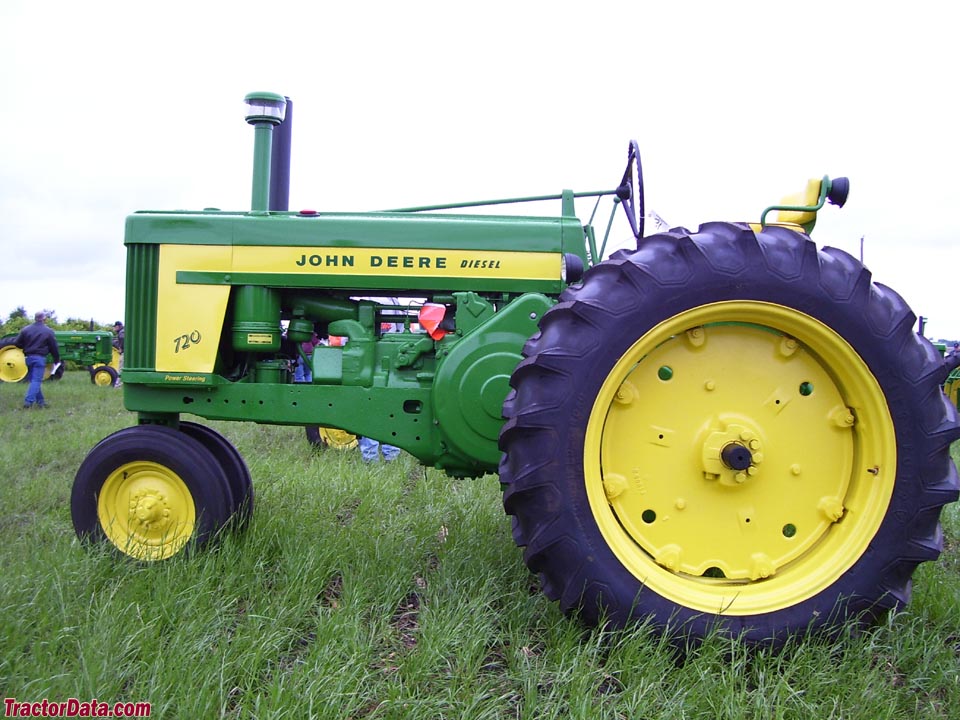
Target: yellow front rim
x=739, y=458
x=103, y=379
x=146, y=510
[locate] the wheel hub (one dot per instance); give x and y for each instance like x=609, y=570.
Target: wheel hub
x=736, y=457
x=149, y=510
x=731, y=455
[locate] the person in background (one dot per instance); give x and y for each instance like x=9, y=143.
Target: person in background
x=303, y=372
x=37, y=341
x=118, y=336
x=370, y=449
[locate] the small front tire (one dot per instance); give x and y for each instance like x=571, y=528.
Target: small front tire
x=150, y=491
x=238, y=475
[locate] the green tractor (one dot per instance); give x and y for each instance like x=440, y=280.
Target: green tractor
x=91, y=349
x=951, y=386
x=723, y=428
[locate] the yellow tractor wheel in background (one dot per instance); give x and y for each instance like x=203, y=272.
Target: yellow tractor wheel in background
x=952, y=387
x=103, y=376
x=324, y=437
x=13, y=366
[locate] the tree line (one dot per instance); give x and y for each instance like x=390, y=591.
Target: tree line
x=19, y=318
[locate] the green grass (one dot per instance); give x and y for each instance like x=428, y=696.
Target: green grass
x=385, y=591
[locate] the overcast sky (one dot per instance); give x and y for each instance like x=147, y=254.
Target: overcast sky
x=111, y=107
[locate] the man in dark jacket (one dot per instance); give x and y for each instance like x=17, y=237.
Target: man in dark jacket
x=118, y=335
x=36, y=341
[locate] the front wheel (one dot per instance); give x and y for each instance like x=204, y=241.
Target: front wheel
x=235, y=469
x=103, y=376
x=728, y=429
x=149, y=491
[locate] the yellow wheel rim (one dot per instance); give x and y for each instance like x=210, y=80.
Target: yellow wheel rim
x=952, y=387
x=146, y=510
x=739, y=458
x=338, y=439
x=103, y=378
x=115, y=360
x=13, y=366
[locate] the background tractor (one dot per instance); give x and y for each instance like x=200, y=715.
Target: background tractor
x=723, y=428
x=90, y=349
x=952, y=384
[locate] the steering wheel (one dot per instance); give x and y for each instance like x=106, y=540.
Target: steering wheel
x=630, y=191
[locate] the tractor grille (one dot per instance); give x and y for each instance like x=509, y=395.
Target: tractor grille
x=140, y=345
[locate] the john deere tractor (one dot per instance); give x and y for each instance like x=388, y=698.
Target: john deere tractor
x=90, y=349
x=722, y=428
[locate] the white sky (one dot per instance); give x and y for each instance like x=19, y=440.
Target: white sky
x=111, y=107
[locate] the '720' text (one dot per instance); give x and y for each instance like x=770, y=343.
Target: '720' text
x=185, y=341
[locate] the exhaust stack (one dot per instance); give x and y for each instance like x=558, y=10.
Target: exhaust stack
x=280, y=162
x=264, y=111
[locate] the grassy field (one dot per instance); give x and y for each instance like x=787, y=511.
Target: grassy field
x=385, y=591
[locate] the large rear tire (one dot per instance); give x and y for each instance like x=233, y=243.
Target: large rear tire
x=150, y=491
x=728, y=429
